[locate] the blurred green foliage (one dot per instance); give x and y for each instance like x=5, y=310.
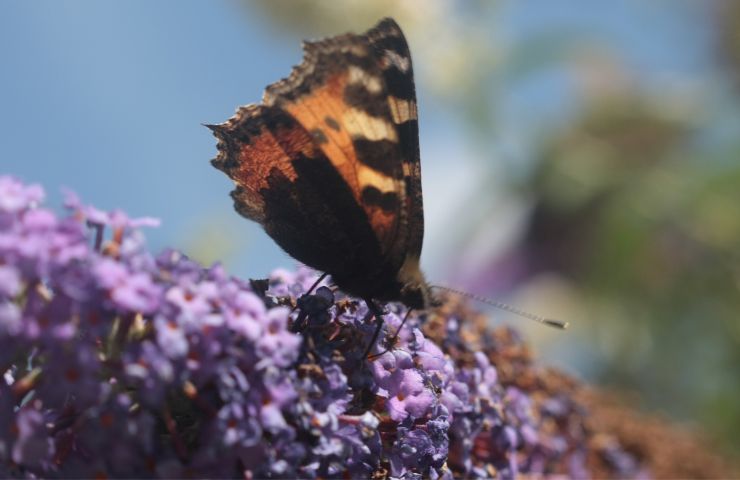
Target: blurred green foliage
x=652, y=245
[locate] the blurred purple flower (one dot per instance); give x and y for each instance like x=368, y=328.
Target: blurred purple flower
x=244, y=314
x=171, y=339
x=149, y=370
x=33, y=446
x=238, y=428
x=277, y=346
x=10, y=320
x=115, y=219
x=192, y=301
x=10, y=281
x=128, y=291
x=16, y=196
x=71, y=377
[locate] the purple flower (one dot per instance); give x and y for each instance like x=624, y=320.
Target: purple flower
x=386, y=365
x=237, y=427
x=10, y=281
x=409, y=396
x=232, y=383
x=193, y=301
x=129, y=291
x=272, y=419
x=116, y=433
x=71, y=377
x=10, y=320
x=115, y=219
x=16, y=197
x=121, y=364
x=148, y=369
x=39, y=245
x=246, y=315
x=415, y=453
x=32, y=447
x=280, y=387
x=277, y=346
x=170, y=337
x=429, y=356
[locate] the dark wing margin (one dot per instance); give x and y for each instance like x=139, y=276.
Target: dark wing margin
x=243, y=157
x=390, y=46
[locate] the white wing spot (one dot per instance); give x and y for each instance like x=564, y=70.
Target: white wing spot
x=359, y=124
x=393, y=58
x=358, y=75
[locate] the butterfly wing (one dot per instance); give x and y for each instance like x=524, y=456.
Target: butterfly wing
x=321, y=163
x=287, y=184
x=390, y=46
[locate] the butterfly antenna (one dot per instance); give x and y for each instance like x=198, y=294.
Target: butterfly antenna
x=503, y=306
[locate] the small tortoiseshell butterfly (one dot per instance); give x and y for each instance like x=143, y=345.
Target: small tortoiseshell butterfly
x=328, y=164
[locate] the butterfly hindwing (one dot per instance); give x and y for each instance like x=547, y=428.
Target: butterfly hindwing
x=286, y=183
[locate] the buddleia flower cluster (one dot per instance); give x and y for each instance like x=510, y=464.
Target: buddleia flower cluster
x=120, y=363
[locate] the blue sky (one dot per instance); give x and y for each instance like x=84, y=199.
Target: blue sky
x=108, y=98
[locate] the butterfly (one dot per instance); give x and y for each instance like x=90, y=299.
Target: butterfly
x=328, y=163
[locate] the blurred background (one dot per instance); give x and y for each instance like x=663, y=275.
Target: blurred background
x=581, y=160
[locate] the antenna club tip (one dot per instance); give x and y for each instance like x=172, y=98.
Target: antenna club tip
x=557, y=324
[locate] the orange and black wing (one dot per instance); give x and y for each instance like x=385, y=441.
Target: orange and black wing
x=286, y=183
x=390, y=47
x=323, y=162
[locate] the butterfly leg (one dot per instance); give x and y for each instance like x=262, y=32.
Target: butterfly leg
x=395, y=337
x=315, y=284
x=378, y=314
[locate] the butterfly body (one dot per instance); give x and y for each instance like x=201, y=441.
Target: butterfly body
x=328, y=164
